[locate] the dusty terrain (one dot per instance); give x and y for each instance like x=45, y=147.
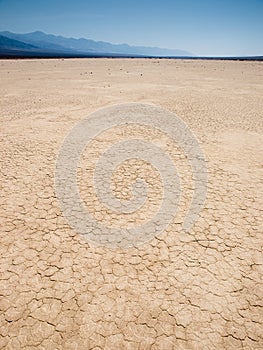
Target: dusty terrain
x=201, y=290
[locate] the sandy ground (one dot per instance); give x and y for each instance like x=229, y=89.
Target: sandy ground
x=179, y=291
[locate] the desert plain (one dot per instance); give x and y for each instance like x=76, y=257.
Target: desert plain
x=197, y=290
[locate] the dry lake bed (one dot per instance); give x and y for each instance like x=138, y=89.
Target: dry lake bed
x=180, y=290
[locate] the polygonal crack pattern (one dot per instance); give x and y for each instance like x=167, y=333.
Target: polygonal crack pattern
x=196, y=290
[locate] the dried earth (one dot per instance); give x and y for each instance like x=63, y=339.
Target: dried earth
x=197, y=290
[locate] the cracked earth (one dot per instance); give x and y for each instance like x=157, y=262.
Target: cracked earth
x=196, y=290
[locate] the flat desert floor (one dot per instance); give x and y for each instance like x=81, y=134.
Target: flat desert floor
x=198, y=290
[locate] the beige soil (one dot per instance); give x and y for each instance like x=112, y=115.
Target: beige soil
x=179, y=291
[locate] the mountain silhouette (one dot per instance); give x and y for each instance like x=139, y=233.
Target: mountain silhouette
x=7, y=43
x=48, y=43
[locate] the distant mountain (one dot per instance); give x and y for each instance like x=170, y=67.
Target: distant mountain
x=7, y=43
x=60, y=44
x=37, y=40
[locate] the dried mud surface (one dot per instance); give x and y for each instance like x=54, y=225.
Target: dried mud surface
x=180, y=291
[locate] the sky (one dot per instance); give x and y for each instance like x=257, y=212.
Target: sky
x=202, y=27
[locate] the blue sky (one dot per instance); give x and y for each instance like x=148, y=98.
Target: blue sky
x=203, y=27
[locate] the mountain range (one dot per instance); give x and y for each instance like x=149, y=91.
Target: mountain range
x=42, y=44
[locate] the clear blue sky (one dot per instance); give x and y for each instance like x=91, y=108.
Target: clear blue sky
x=203, y=27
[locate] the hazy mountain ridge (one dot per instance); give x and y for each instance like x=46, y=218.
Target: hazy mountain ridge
x=61, y=44
x=9, y=43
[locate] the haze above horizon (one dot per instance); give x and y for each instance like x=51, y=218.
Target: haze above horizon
x=205, y=28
